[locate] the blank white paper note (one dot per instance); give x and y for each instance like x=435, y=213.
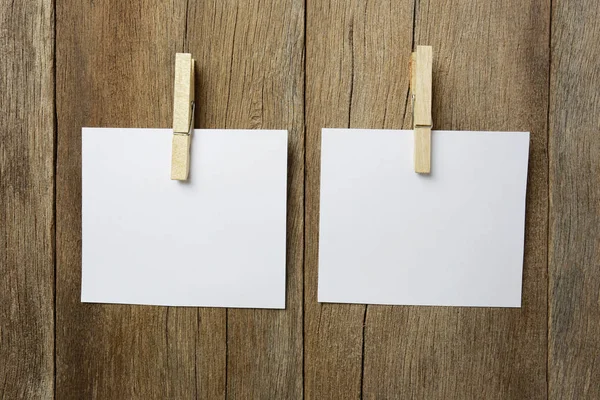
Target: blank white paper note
x=217, y=240
x=391, y=236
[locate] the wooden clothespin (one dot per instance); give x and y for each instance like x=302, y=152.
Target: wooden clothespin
x=183, y=116
x=421, y=78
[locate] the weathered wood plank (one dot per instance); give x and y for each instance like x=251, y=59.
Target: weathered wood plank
x=115, y=65
x=223, y=87
x=357, y=76
x=251, y=75
x=574, y=270
x=211, y=353
x=490, y=73
x=26, y=199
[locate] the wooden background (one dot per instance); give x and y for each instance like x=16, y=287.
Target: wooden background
x=298, y=65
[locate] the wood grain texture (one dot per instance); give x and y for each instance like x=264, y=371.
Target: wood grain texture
x=421, y=66
x=250, y=60
x=357, y=76
x=490, y=73
x=180, y=156
x=183, y=115
x=115, y=67
x=183, y=92
x=256, y=67
x=421, y=88
x=574, y=270
x=26, y=200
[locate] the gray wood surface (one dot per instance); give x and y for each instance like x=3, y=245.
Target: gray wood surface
x=297, y=65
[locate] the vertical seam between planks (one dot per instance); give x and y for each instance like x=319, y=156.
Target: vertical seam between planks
x=231, y=67
x=351, y=38
x=226, y=117
x=54, y=191
x=305, y=170
x=185, y=48
x=414, y=27
x=362, y=363
x=412, y=48
x=363, y=345
x=196, y=352
x=548, y=204
x=185, y=27
x=226, y=350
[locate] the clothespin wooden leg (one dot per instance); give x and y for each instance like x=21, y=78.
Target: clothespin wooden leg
x=180, y=156
x=422, y=142
x=421, y=84
x=183, y=116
